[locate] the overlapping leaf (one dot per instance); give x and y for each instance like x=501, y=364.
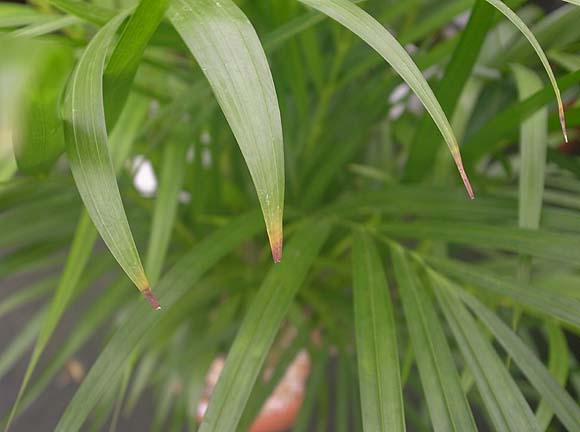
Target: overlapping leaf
x=226, y=46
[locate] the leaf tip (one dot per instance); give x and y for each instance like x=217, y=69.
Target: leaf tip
x=464, y=177
x=150, y=297
x=276, y=247
x=563, y=123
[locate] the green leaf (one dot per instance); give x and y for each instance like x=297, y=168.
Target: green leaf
x=108, y=368
x=226, y=46
x=533, y=143
x=166, y=203
x=523, y=28
x=536, y=300
x=315, y=382
x=552, y=393
x=126, y=56
x=374, y=34
x=376, y=341
x=52, y=25
x=423, y=148
x=93, y=317
x=503, y=400
x=448, y=407
x=83, y=241
x=485, y=138
x=259, y=328
x=541, y=243
x=90, y=161
x=559, y=367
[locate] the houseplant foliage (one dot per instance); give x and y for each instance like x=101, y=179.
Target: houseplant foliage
x=431, y=310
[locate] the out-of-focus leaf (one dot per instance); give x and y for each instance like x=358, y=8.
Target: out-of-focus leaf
x=374, y=34
x=107, y=369
x=533, y=143
x=503, y=400
x=26, y=295
x=90, y=161
x=423, y=148
x=486, y=137
x=552, y=393
x=315, y=382
x=83, y=242
x=448, y=407
x=523, y=28
x=533, y=299
x=54, y=24
x=376, y=341
x=93, y=317
x=226, y=46
x=126, y=56
x=39, y=139
x=172, y=175
x=541, y=243
x=559, y=367
x=259, y=328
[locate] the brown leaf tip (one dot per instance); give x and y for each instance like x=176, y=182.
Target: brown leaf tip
x=463, y=175
x=277, y=251
x=150, y=297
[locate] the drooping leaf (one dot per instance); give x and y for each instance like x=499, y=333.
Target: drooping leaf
x=226, y=46
x=90, y=161
x=379, y=38
x=523, y=28
x=259, y=329
x=107, y=369
x=376, y=341
x=448, y=407
x=423, y=148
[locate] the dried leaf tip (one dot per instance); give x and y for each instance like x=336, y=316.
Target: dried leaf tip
x=563, y=123
x=276, y=247
x=464, y=178
x=150, y=297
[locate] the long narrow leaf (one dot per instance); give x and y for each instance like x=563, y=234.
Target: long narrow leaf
x=533, y=143
x=446, y=401
x=374, y=34
x=259, y=328
x=226, y=46
x=505, y=403
x=90, y=161
x=124, y=61
x=376, y=341
x=552, y=393
x=423, y=148
x=523, y=28
x=533, y=299
x=108, y=368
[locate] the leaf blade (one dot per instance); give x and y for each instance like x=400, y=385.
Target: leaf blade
x=90, y=161
x=226, y=46
x=448, y=407
x=379, y=38
x=378, y=359
x=259, y=328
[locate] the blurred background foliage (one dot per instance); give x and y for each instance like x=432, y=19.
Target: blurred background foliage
x=415, y=305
